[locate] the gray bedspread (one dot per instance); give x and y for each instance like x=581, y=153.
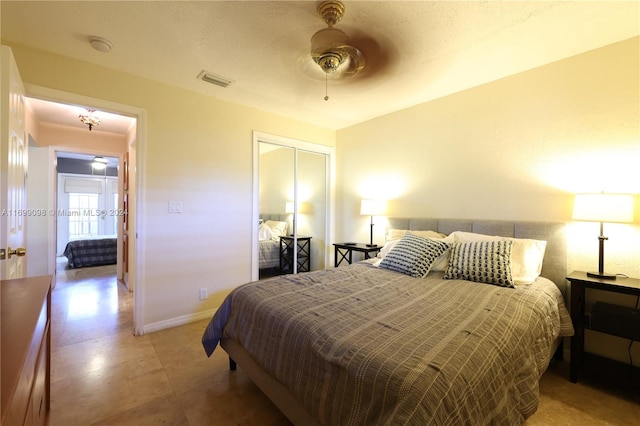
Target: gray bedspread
x=268, y=254
x=91, y=252
x=359, y=345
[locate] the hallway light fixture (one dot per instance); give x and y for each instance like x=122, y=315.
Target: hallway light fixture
x=90, y=119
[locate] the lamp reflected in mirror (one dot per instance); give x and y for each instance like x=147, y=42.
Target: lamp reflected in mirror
x=290, y=209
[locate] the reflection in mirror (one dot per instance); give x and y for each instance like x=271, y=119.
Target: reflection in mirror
x=276, y=178
x=312, y=203
x=292, y=204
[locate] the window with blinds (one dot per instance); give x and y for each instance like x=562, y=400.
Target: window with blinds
x=83, y=214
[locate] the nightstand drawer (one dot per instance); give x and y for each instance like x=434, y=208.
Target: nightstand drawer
x=617, y=320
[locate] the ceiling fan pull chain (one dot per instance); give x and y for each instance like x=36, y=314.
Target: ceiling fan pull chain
x=326, y=87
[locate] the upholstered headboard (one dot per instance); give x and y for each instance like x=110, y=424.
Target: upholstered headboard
x=280, y=217
x=554, y=266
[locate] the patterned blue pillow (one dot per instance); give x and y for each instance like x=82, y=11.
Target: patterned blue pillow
x=481, y=261
x=414, y=255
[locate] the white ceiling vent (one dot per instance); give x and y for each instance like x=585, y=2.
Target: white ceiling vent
x=214, y=79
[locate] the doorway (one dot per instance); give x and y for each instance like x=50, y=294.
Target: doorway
x=74, y=163
x=127, y=165
x=88, y=215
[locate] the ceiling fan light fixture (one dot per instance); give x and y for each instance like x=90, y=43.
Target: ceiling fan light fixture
x=329, y=62
x=330, y=47
x=327, y=49
x=99, y=163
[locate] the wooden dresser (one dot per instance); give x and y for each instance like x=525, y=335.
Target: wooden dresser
x=25, y=351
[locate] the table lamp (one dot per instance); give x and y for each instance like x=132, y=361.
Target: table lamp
x=603, y=208
x=372, y=208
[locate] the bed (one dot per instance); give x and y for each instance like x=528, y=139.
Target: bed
x=91, y=252
x=269, y=230
x=362, y=344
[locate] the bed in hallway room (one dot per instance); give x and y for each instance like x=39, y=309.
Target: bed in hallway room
x=454, y=324
x=91, y=252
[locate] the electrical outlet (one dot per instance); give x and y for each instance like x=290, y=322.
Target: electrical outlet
x=203, y=293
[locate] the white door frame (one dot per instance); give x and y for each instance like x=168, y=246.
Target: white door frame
x=330, y=182
x=136, y=175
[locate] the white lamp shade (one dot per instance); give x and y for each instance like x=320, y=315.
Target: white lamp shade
x=288, y=207
x=372, y=207
x=603, y=207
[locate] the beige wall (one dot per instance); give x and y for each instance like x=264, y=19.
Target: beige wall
x=517, y=148
x=197, y=150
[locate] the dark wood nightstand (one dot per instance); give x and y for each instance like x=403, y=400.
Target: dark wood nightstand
x=344, y=251
x=303, y=254
x=580, y=360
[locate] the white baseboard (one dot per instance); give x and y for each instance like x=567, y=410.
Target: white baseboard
x=174, y=322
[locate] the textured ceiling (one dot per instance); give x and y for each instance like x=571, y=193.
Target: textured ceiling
x=415, y=51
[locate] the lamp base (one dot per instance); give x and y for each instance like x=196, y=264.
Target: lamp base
x=602, y=275
x=371, y=245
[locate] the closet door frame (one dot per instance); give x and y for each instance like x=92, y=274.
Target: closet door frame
x=296, y=145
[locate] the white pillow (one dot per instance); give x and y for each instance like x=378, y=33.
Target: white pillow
x=386, y=248
x=442, y=262
x=277, y=228
x=264, y=232
x=526, y=255
x=396, y=234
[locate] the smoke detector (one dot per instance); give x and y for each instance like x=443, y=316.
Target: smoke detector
x=100, y=44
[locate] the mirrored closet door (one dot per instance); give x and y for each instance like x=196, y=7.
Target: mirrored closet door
x=291, y=193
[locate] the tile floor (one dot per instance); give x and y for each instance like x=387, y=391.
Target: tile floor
x=103, y=375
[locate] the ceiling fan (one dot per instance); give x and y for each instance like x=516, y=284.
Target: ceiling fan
x=330, y=47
